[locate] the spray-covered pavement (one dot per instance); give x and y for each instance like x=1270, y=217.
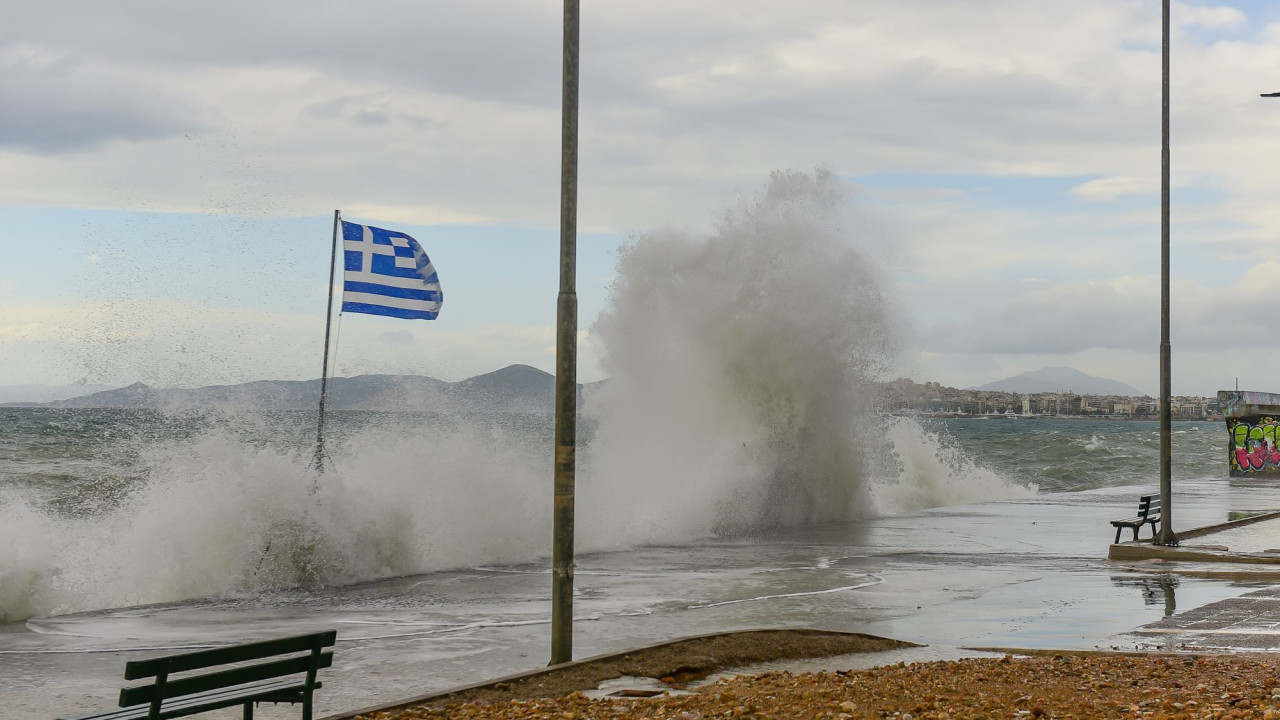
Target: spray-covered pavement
x=1247, y=550
x=1028, y=573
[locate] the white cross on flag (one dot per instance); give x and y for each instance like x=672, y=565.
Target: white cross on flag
x=387, y=273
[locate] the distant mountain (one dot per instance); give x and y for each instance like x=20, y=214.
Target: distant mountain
x=1054, y=379
x=45, y=393
x=517, y=388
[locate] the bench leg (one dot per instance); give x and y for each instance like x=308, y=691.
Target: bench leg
x=1135, y=531
x=248, y=711
x=1118, y=529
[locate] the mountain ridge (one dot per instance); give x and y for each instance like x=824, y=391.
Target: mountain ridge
x=1061, y=378
x=515, y=388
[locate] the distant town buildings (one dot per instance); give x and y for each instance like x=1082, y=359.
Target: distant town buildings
x=906, y=396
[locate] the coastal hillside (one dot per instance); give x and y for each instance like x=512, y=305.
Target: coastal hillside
x=1061, y=379
x=516, y=388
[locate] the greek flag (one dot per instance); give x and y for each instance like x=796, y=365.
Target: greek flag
x=387, y=273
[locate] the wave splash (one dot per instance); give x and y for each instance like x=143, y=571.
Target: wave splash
x=740, y=365
x=222, y=514
x=739, y=399
x=737, y=366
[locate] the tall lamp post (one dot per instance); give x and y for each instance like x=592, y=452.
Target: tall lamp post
x=566, y=353
x=1166, y=436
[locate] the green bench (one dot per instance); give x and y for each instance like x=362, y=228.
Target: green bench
x=1148, y=513
x=289, y=679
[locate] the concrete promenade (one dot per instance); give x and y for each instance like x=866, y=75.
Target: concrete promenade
x=1247, y=551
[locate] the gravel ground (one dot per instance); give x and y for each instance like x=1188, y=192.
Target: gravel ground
x=676, y=664
x=1060, y=686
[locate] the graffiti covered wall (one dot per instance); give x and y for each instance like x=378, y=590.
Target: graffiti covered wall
x=1252, y=446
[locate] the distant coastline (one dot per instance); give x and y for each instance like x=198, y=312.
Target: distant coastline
x=515, y=388
x=521, y=388
x=1024, y=418
x=903, y=396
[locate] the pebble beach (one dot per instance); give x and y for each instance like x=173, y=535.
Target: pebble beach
x=1058, y=686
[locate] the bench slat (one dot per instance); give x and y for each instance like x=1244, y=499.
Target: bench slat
x=223, y=678
x=275, y=691
x=220, y=656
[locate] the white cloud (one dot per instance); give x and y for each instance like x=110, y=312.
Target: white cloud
x=1110, y=188
x=1211, y=17
x=449, y=113
x=1117, y=314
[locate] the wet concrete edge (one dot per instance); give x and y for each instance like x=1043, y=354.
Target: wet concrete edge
x=1149, y=550
x=396, y=704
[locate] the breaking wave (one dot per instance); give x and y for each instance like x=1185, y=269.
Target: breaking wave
x=739, y=399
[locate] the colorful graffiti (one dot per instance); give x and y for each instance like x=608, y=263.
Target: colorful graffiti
x=1253, y=447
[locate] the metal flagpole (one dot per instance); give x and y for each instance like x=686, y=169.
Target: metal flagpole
x=566, y=352
x=328, y=322
x=1166, y=436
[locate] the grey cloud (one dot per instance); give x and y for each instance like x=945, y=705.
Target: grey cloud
x=652, y=152
x=501, y=50
x=371, y=117
x=1065, y=320
x=1070, y=318
x=371, y=110
x=509, y=52
x=59, y=104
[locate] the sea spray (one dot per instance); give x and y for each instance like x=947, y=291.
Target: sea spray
x=738, y=399
x=222, y=514
x=739, y=363
x=925, y=468
x=740, y=393
x=26, y=563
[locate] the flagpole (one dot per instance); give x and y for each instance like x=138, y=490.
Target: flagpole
x=566, y=352
x=328, y=323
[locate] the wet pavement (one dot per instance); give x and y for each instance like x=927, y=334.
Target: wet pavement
x=1248, y=623
x=1026, y=573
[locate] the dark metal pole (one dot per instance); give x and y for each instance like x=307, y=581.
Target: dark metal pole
x=1166, y=436
x=566, y=352
x=324, y=372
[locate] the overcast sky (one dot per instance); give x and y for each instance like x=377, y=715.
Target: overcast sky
x=170, y=172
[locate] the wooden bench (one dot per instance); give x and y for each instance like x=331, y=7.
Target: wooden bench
x=1148, y=512
x=243, y=684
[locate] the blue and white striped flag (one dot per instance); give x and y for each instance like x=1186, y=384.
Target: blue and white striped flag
x=388, y=273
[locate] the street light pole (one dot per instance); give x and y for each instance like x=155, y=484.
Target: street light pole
x=566, y=353
x=1166, y=435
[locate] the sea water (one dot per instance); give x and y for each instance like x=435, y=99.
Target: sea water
x=732, y=473
x=132, y=534
x=107, y=508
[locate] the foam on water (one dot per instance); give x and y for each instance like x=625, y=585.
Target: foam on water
x=739, y=399
x=220, y=514
x=930, y=472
